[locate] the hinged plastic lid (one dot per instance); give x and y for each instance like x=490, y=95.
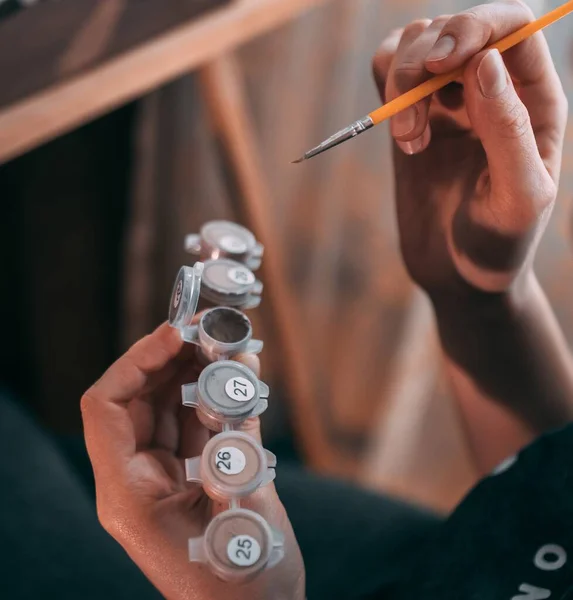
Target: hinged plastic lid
x=229, y=237
x=234, y=465
x=237, y=545
x=229, y=388
x=227, y=276
x=185, y=296
x=238, y=542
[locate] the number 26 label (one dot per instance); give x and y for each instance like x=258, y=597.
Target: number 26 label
x=230, y=460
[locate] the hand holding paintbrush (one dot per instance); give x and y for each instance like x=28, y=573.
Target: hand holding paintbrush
x=472, y=207
x=476, y=174
x=428, y=87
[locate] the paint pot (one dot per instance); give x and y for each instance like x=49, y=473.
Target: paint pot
x=237, y=545
x=232, y=465
x=222, y=332
x=227, y=393
x=227, y=282
x=224, y=239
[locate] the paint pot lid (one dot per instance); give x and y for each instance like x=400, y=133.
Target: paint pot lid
x=185, y=296
x=226, y=276
x=229, y=237
x=233, y=464
x=229, y=388
x=238, y=540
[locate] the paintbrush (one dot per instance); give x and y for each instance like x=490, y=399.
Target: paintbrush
x=432, y=85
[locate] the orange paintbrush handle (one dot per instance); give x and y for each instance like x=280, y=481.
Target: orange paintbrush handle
x=433, y=85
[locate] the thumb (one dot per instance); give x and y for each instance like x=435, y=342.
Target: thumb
x=520, y=186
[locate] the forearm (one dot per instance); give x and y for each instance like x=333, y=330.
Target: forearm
x=510, y=367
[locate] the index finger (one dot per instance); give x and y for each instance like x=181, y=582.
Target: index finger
x=468, y=32
x=529, y=63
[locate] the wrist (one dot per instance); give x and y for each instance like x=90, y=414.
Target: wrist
x=471, y=307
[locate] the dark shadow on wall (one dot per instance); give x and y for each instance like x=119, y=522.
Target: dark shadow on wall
x=63, y=214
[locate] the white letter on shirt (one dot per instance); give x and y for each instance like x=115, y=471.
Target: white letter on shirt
x=530, y=592
x=557, y=557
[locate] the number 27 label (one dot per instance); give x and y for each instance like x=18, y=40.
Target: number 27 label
x=240, y=389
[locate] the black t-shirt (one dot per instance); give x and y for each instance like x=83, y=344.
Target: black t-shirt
x=511, y=538
x=9, y=7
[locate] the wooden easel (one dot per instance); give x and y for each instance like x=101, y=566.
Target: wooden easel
x=90, y=75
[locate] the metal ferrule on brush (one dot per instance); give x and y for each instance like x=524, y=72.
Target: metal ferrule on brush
x=339, y=137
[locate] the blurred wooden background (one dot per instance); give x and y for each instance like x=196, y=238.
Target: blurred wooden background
x=351, y=354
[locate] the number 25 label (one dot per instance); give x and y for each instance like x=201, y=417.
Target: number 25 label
x=243, y=550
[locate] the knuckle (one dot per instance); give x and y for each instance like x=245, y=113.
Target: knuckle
x=381, y=63
x=557, y=125
x=389, y=44
x=414, y=29
x=384, y=55
x=513, y=123
x=462, y=22
x=252, y=426
x=123, y=372
x=470, y=24
x=522, y=209
x=439, y=22
x=530, y=210
x=252, y=423
x=469, y=16
x=115, y=520
x=562, y=105
x=86, y=402
x=564, y=102
x=441, y=19
x=408, y=74
x=524, y=8
x=557, y=107
x=380, y=73
x=547, y=192
x=108, y=520
x=417, y=26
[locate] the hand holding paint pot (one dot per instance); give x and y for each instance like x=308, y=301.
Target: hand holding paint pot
x=139, y=436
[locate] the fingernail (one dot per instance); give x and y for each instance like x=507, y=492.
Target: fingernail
x=492, y=75
x=418, y=144
x=404, y=122
x=442, y=48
